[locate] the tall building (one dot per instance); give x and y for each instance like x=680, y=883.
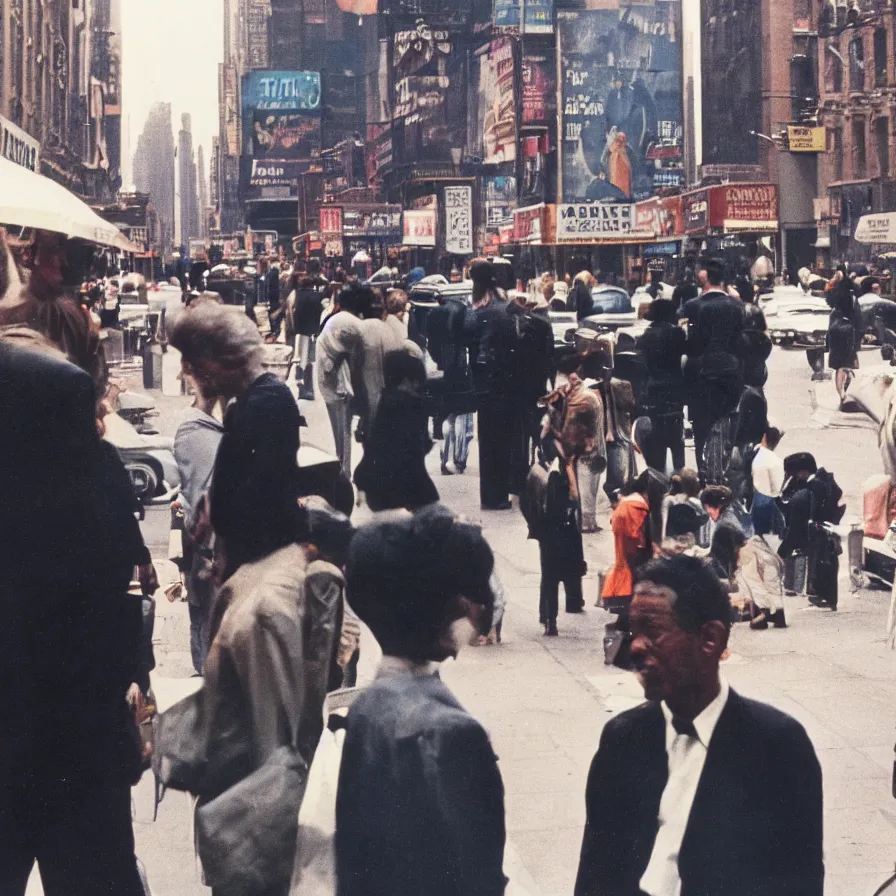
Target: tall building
x=857, y=83
x=154, y=169
x=60, y=89
x=201, y=193
x=186, y=166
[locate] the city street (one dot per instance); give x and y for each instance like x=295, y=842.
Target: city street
x=545, y=700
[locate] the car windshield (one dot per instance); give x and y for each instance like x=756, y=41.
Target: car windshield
x=610, y=301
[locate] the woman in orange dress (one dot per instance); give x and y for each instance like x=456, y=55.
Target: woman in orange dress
x=630, y=524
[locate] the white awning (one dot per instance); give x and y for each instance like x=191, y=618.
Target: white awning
x=877, y=228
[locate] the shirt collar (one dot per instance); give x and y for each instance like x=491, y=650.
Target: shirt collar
x=391, y=666
x=706, y=722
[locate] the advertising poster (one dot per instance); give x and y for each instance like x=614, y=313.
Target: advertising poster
x=590, y=221
x=275, y=173
x=507, y=15
x=419, y=227
x=622, y=110
x=282, y=91
x=331, y=230
x=495, y=101
x=500, y=201
x=459, y=220
x=279, y=135
x=539, y=99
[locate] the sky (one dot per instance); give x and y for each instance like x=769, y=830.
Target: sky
x=171, y=50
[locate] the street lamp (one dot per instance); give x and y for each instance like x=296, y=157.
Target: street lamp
x=764, y=137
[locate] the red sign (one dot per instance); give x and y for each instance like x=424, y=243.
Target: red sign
x=739, y=205
x=419, y=227
x=331, y=220
x=647, y=216
x=527, y=224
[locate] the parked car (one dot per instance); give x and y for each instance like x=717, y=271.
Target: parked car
x=795, y=319
x=149, y=460
x=614, y=312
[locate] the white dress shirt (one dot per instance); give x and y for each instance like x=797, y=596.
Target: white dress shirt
x=687, y=756
x=768, y=473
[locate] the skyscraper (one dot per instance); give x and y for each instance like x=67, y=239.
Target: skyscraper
x=186, y=164
x=202, y=193
x=154, y=168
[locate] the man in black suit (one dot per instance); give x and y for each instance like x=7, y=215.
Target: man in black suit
x=699, y=791
x=715, y=366
x=69, y=641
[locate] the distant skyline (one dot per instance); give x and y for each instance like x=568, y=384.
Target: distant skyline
x=171, y=51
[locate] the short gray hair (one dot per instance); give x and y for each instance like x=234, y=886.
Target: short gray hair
x=209, y=331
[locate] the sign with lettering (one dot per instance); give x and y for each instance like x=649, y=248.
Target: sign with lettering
x=593, y=221
x=282, y=91
x=806, y=139
x=527, y=224
x=695, y=211
x=749, y=207
x=19, y=147
x=419, y=227
x=876, y=229
x=459, y=220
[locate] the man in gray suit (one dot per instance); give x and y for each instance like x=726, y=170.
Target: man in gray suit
x=420, y=805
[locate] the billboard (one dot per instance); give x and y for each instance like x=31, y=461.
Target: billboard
x=459, y=220
x=591, y=221
x=282, y=91
x=419, y=227
x=539, y=90
x=622, y=132
x=19, y=147
x=278, y=135
x=496, y=106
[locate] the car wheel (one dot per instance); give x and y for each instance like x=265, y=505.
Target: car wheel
x=145, y=481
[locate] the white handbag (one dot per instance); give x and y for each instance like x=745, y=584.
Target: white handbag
x=314, y=871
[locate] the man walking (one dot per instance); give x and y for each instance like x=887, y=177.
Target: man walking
x=699, y=790
x=714, y=366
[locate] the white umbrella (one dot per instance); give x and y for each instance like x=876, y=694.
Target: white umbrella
x=32, y=200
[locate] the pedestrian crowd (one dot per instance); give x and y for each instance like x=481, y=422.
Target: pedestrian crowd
x=279, y=582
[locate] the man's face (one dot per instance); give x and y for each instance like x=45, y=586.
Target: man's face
x=666, y=657
x=702, y=279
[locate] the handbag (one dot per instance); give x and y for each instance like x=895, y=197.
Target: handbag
x=314, y=872
x=246, y=837
x=181, y=759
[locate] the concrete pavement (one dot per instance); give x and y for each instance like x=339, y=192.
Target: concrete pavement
x=545, y=700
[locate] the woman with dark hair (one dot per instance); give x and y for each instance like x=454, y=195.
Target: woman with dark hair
x=844, y=331
x=393, y=472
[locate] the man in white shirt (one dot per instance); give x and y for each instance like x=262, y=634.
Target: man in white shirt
x=768, y=480
x=699, y=791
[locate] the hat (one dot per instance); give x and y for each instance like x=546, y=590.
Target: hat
x=796, y=463
x=482, y=273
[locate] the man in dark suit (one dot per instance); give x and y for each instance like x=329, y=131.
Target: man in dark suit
x=715, y=365
x=69, y=641
x=420, y=804
x=699, y=791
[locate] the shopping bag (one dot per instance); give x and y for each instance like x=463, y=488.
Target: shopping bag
x=314, y=871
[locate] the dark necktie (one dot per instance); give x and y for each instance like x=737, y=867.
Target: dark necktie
x=683, y=726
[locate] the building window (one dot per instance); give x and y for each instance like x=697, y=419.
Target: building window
x=833, y=70
x=835, y=148
x=856, y=65
x=880, y=57
x=859, y=157
x=882, y=139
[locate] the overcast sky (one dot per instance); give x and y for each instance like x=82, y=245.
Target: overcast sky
x=171, y=51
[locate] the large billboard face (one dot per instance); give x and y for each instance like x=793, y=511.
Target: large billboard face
x=622, y=133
